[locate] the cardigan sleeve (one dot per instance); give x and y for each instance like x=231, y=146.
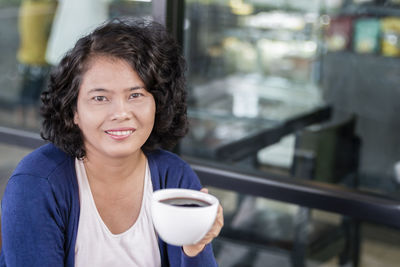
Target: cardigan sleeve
x=32, y=225
x=204, y=258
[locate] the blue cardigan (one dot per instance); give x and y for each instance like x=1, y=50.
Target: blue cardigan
x=40, y=209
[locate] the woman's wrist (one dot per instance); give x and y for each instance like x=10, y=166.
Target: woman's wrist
x=193, y=250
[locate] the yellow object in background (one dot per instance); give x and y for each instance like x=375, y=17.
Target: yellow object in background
x=35, y=19
x=390, y=27
x=366, y=38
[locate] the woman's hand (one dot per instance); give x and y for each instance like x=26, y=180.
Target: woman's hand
x=193, y=250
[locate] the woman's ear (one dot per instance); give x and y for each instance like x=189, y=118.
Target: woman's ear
x=76, y=118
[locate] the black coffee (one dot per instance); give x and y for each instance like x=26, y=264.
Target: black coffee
x=185, y=202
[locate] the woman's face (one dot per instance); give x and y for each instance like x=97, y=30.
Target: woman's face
x=115, y=112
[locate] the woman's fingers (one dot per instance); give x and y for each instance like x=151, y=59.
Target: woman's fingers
x=216, y=228
x=204, y=190
x=218, y=223
x=192, y=250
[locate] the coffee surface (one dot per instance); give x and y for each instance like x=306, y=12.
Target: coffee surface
x=185, y=202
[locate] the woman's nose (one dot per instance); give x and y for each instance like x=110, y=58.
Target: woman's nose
x=120, y=111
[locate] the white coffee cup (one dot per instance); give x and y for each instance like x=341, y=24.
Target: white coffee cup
x=183, y=225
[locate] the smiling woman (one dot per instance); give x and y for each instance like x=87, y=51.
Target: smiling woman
x=114, y=110
x=116, y=100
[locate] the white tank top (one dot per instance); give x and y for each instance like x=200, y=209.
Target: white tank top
x=97, y=246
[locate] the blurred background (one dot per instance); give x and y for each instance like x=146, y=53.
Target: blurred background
x=297, y=92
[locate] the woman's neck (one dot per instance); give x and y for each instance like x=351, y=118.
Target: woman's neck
x=115, y=171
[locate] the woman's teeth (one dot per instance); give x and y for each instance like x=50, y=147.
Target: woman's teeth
x=120, y=132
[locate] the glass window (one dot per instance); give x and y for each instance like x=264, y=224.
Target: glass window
x=252, y=66
x=305, y=89
x=290, y=83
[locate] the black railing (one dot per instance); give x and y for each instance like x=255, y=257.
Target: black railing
x=323, y=196
x=20, y=138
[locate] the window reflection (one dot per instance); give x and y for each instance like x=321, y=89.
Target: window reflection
x=34, y=23
x=252, y=67
x=260, y=74
x=255, y=65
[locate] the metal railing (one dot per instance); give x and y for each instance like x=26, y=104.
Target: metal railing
x=333, y=198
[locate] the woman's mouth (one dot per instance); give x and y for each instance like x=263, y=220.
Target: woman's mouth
x=119, y=134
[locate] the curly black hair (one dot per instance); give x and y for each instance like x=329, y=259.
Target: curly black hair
x=151, y=52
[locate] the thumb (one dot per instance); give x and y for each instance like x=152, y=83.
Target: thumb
x=204, y=190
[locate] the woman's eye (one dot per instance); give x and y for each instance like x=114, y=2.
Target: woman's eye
x=135, y=95
x=99, y=98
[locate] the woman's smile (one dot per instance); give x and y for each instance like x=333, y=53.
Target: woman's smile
x=120, y=134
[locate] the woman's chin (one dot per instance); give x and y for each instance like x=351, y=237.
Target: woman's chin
x=113, y=152
x=122, y=153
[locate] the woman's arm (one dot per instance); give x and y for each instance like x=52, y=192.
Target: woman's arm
x=32, y=226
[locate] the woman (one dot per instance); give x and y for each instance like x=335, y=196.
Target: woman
x=114, y=102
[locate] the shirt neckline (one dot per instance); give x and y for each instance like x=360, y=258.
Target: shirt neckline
x=97, y=214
